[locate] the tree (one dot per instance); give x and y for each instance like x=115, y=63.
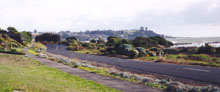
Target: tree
x=144, y=42
x=55, y=38
x=161, y=41
x=112, y=41
x=48, y=37
x=12, y=30
x=71, y=39
x=93, y=41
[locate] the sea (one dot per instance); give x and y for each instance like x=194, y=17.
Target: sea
x=194, y=41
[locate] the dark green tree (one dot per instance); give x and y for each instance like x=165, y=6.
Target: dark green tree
x=12, y=30
x=112, y=41
x=71, y=39
x=93, y=41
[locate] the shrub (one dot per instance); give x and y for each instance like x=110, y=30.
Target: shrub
x=89, y=45
x=207, y=49
x=124, y=49
x=189, y=50
x=133, y=53
x=74, y=47
x=142, y=51
x=200, y=57
x=93, y=41
x=171, y=51
x=150, y=53
x=110, y=51
x=112, y=41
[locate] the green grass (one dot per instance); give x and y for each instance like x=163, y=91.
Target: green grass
x=133, y=80
x=31, y=51
x=22, y=73
x=192, y=59
x=19, y=49
x=39, y=45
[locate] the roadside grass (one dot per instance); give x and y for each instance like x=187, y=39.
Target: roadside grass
x=31, y=51
x=191, y=59
x=89, y=51
x=122, y=77
x=21, y=73
x=105, y=73
x=39, y=45
x=19, y=49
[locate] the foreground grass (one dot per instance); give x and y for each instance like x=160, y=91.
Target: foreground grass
x=198, y=59
x=22, y=73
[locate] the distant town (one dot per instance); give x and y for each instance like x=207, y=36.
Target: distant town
x=104, y=34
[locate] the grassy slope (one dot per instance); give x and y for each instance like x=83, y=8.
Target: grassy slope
x=20, y=72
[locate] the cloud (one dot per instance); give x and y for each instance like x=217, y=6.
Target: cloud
x=169, y=17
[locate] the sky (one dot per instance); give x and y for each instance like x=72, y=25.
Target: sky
x=179, y=18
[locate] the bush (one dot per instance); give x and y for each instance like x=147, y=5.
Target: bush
x=89, y=45
x=112, y=41
x=142, y=51
x=207, y=49
x=133, y=53
x=189, y=50
x=75, y=47
x=171, y=51
x=124, y=49
x=198, y=57
x=110, y=51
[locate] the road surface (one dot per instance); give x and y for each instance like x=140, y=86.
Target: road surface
x=198, y=73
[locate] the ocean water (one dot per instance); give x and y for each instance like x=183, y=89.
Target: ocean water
x=195, y=42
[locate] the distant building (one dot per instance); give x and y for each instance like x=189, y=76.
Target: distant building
x=35, y=31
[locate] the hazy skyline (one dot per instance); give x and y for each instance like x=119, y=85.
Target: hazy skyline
x=185, y=18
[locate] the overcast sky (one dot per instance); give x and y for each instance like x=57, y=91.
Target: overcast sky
x=188, y=18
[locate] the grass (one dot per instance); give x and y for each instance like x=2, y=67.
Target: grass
x=88, y=51
x=105, y=73
x=39, y=45
x=21, y=73
x=132, y=79
x=31, y=51
x=192, y=59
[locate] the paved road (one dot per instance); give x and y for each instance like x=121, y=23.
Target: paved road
x=205, y=74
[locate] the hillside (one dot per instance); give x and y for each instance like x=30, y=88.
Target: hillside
x=95, y=34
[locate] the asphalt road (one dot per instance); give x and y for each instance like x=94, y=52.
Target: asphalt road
x=205, y=74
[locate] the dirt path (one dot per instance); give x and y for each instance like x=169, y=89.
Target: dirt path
x=110, y=82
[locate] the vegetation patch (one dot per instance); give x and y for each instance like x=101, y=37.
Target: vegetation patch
x=25, y=74
x=188, y=59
